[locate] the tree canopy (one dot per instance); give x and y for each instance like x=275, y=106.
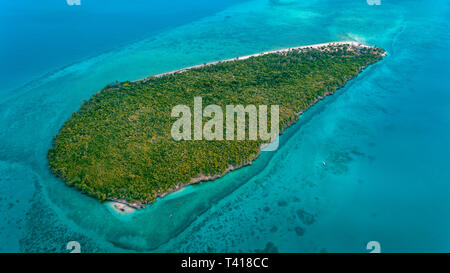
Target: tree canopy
x=119, y=144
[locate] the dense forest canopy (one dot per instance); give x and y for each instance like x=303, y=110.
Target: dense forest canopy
x=119, y=144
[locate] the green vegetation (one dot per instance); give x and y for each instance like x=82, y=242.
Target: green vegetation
x=119, y=145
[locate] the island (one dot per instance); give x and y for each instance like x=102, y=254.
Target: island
x=118, y=146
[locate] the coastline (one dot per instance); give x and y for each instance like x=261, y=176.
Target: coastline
x=118, y=204
x=240, y=58
x=139, y=205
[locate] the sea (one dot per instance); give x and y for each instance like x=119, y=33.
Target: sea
x=368, y=166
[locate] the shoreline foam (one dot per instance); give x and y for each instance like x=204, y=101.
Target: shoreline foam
x=240, y=58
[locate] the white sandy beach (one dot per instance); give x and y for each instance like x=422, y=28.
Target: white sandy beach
x=350, y=43
x=120, y=208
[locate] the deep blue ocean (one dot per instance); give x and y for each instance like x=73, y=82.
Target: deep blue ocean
x=385, y=136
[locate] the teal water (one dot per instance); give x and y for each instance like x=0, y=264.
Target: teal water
x=39, y=37
x=385, y=138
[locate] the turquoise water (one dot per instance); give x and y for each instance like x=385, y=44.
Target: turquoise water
x=385, y=138
x=39, y=37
